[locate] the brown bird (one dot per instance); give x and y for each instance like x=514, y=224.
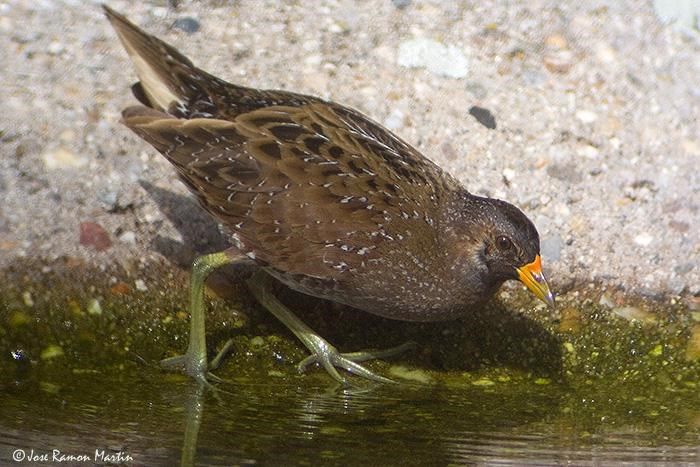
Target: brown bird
x=324, y=200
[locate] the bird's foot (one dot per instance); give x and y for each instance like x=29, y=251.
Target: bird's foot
x=194, y=365
x=329, y=358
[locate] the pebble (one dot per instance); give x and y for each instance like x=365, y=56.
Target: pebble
x=551, y=247
x=395, y=120
x=483, y=116
x=437, y=58
x=55, y=48
x=128, y=237
x=27, y=298
x=692, y=351
x=93, y=235
x=187, y=24
x=401, y=4
x=408, y=374
x=643, y=239
x=140, y=285
x=61, y=158
x=633, y=313
x=560, y=61
x=51, y=352
x=567, y=172
x=94, y=307
x=586, y=116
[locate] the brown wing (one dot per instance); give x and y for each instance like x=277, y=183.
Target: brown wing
x=310, y=190
x=310, y=187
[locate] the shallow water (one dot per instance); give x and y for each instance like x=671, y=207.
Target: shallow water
x=143, y=416
x=518, y=384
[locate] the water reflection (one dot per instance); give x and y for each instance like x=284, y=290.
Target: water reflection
x=161, y=419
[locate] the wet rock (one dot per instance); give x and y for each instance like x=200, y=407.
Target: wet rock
x=437, y=58
x=187, y=24
x=483, y=116
x=93, y=235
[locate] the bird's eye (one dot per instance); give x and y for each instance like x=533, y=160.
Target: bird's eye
x=503, y=243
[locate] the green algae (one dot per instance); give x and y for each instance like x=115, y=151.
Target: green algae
x=573, y=379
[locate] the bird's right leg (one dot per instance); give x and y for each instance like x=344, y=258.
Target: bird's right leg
x=194, y=361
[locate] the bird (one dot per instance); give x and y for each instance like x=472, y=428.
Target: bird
x=324, y=200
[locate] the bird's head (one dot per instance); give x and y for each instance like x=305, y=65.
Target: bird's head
x=504, y=244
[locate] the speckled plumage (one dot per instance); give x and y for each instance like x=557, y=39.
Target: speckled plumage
x=320, y=196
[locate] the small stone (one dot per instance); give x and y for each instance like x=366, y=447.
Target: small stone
x=605, y=53
x=94, y=307
x=692, y=350
x=586, y=150
x=187, y=24
x=643, y=239
x=508, y=174
x=692, y=148
x=633, y=313
x=51, y=352
x=477, y=90
x=401, y=4
x=437, y=58
x=586, y=116
x=483, y=116
x=565, y=172
x=109, y=199
x=606, y=300
x=395, y=120
x=559, y=62
x=483, y=382
x=93, y=235
x=61, y=158
x=27, y=298
x=140, y=285
x=55, y=48
x=120, y=288
x=551, y=247
x=128, y=237
x=556, y=41
x=408, y=374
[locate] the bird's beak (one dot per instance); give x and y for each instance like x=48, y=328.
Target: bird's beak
x=531, y=275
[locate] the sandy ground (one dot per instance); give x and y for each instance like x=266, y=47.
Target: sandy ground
x=596, y=107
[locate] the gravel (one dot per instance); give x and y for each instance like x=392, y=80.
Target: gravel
x=597, y=106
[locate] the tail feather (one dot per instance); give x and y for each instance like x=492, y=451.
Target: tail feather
x=167, y=78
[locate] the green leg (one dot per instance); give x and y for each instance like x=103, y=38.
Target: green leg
x=322, y=352
x=194, y=361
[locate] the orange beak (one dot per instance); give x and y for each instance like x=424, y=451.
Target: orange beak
x=531, y=275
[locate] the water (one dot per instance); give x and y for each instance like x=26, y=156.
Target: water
x=516, y=385
x=149, y=417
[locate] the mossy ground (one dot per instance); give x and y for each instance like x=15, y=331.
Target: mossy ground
x=580, y=373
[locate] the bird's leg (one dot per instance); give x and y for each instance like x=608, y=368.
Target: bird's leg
x=194, y=361
x=322, y=352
